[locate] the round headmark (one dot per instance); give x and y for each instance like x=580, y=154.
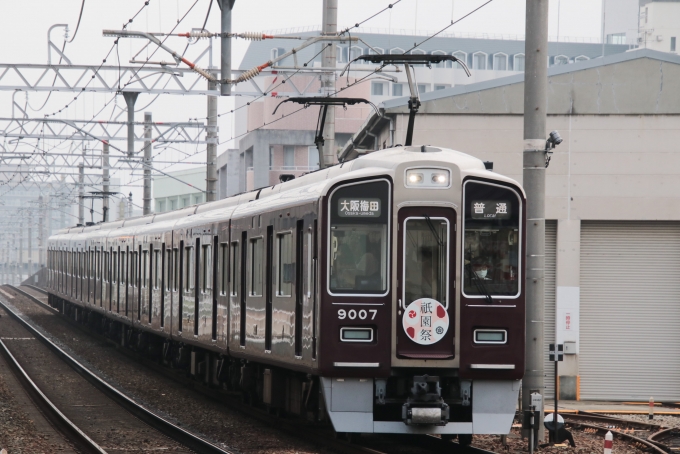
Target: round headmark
x=425, y=321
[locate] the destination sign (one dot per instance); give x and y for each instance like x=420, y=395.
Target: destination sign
x=490, y=209
x=358, y=207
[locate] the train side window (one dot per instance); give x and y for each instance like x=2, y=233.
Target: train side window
x=285, y=271
x=188, y=268
x=223, y=261
x=145, y=269
x=256, y=262
x=115, y=267
x=175, y=269
x=156, y=269
x=309, y=262
x=168, y=269
x=206, y=264
x=234, y=268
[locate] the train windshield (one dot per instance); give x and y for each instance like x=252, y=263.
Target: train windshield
x=491, y=250
x=426, y=259
x=358, y=249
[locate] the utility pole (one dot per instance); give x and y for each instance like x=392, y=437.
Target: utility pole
x=30, y=243
x=81, y=190
x=225, y=43
x=41, y=234
x=211, y=166
x=330, y=28
x=105, y=181
x=130, y=99
x=147, y=163
x=535, y=107
x=21, y=250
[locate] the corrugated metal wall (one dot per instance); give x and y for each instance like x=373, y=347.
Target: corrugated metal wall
x=549, y=320
x=630, y=311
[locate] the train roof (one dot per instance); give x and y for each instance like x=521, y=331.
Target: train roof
x=303, y=189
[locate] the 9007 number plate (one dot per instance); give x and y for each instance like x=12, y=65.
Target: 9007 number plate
x=361, y=314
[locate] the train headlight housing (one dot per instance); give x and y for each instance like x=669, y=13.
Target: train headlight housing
x=428, y=178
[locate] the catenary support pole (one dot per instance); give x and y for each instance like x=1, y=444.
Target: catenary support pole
x=41, y=230
x=147, y=162
x=535, y=106
x=225, y=43
x=81, y=191
x=130, y=99
x=30, y=242
x=21, y=250
x=330, y=28
x=105, y=181
x=211, y=155
x=129, y=205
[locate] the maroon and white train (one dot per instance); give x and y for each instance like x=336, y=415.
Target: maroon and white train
x=385, y=293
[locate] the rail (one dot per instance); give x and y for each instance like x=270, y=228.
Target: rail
x=178, y=434
x=59, y=420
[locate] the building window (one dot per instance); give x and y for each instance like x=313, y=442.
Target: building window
x=271, y=157
x=561, y=60
x=440, y=87
x=422, y=88
x=519, y=62
x=186, y=201
x=672, y=43
x=355, y=52
x=377, y=88
x=288, y=156
x=313, y=158
x=341, y=54
x=396, y=51
x=479, y=60
x=616, y=38
x=160, y=206
x=581, y=58
x=397, y=90
x=276, y=52
x=173, y=205
x=500, y=62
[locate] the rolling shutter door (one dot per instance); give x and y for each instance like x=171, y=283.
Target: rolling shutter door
x=630, y=308
x=549, y=320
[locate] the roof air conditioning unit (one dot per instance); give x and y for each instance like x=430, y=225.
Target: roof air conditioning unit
x=659, y=37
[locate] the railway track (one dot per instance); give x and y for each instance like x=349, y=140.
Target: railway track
x=636, y=432
x=373, y=444
x=84, y=399
x=667, y=439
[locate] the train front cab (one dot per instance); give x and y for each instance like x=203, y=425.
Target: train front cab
x=432, y=342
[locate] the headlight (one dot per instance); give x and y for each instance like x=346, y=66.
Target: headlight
x=428, y=178
x=414, y=178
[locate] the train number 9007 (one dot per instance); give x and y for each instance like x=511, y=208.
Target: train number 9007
x=361, y=314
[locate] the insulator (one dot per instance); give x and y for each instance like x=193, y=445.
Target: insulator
x=253, y=36
x=248, y=75
x=204, y=73
x=200, y=34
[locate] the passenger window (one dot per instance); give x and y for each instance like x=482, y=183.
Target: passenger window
x=188, y=268
x=234, y=268
x=256, y=261
x=175, y=269
x=156, y=269
x=224, y=257
x=206, y=275
x=145, y=269
x=285, y=271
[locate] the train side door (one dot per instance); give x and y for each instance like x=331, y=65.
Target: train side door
x=426, y=296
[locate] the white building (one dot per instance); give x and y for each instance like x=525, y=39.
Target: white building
x=660, y=25
x=180, y=189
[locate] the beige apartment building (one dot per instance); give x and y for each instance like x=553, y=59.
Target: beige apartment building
x=612, y=208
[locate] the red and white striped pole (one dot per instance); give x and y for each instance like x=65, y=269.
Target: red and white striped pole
x=608, y=443
x=651, y=408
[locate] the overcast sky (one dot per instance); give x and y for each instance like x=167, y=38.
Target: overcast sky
x=24, y=25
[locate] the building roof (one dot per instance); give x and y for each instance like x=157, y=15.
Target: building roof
x=639, y=82
x=260, y=51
